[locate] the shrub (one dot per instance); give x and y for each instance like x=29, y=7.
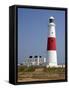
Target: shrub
x=54, y=70
x=30, y=69
x=21, y=68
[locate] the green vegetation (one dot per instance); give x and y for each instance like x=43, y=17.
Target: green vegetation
x=39, y=73
x=54, y=70
x=26, y=69
x=21, y=68
x=45, y=69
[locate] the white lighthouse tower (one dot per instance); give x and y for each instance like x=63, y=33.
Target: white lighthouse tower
x=51, y=44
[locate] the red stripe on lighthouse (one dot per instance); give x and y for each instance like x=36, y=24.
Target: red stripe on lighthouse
x=51, y=45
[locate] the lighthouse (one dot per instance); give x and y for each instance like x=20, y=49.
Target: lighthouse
x=51, y=43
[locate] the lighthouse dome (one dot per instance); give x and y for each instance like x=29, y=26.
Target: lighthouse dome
x=51, y=19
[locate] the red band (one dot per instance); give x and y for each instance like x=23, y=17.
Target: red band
x=51, y=45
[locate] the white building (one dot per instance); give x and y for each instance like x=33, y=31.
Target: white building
x=35, y=61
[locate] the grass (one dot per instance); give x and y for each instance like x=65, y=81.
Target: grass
x=48, y=70
x=33, y=73
x=54, y=70
x=26, y=69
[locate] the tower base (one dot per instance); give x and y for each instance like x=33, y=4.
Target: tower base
x=52, y=58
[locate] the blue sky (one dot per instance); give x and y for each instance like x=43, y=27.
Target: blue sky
x=33, y=33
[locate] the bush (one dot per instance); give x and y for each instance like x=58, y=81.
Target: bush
x=26, y=69
x=54, y=70
x=30, y=69
x=21, y=68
